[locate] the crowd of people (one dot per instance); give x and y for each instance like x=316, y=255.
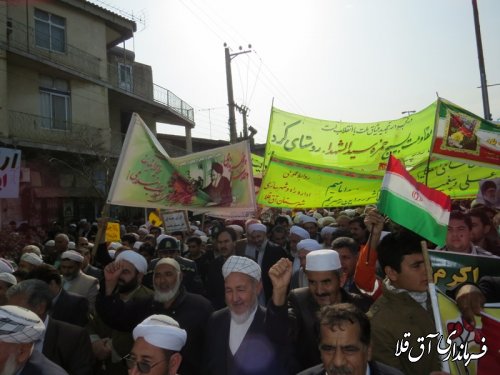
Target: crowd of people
x=312, y=292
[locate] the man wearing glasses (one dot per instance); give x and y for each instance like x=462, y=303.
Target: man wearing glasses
x=158, y=340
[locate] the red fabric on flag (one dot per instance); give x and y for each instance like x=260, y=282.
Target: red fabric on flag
x=490, y=363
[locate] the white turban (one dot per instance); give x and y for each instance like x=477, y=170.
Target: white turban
x=325, y=221
x=299, y=231
x=50, y=243
x=8, y=278
x=112, y=253
x=71, y=245
x=323, y=260
x=161, y=331
x=5, y=266
x=114, y=246
x=198, y=233
x=327, y=230
x=170, y=262
x=32, y=258
x=241, y=264
x=32, y=249
x=139, y=262
x=257, y=227
x=137, y=245
x=19, y=325
x=72, y=255
x=309, y=245
x=308, y=219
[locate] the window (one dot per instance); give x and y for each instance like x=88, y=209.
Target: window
x=50, y=31
x=125, y=76
x=55, y=103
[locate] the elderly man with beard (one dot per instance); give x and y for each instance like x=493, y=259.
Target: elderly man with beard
x=190, y=310
x=19, y=330
x=110, y=345
x=245, y=338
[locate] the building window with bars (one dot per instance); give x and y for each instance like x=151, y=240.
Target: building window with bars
x=55, y=103
x=125, y=76
x=50, y=31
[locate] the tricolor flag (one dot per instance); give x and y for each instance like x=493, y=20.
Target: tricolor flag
x=413, y=205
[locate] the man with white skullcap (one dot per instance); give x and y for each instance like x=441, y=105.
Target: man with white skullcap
x=297, y=234
x=323, y=270
x=265, y=254
x=110, y=345
x=310, y=224
x=245, y=338
x=19, y=330
x=158, y=341
x=29, y=261
x=74, y=280
x=170, y=298
x=87, y=267
x=299, y=278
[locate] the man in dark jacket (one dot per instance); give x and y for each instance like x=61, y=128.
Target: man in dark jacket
x=190, y=310
x=345, y=344
x=245, y=338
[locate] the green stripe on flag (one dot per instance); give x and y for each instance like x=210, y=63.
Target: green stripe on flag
x=412, y=217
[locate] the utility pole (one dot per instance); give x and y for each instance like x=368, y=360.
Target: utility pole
x=230, y=98
x=482, y=71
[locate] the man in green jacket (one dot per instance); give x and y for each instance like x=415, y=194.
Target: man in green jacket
x=403, y=313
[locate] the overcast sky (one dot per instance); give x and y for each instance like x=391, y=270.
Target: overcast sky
x=349, y=60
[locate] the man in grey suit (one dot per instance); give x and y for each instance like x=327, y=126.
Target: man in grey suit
x=74, y=280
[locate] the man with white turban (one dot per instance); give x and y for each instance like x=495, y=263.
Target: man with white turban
x=110, y=345
x=265, y=254
x=29, y=261
x=299, y=278
x=245, y=338
x=158, y=341
x=170, y=298
x=6, y=281
x=296, y=235
x=19, y=330
x=74, y=280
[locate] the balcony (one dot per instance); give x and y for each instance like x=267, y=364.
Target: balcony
x=20, y=40
x=31, y=130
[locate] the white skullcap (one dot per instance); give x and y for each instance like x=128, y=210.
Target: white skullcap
x=198, y=233
x=19, y=325
x=114, y=246
x=161, y=237
x=298, y=217
x=317, y=215
x=50, y=243
x=71, y=245
x=142, y=231
x=161, y=331
x=72, y=255
x=139, y=262
x=237, y=228
x=323, y=260
x=170, y=262
x=137, y=245
x=204, y=239
x=112, y=253
x=299, y=231
x=194, y=227
x=32, y=258
x=241, y=264
x=5, y=266
x=257, y=227
x=309, y=245
x=327, y=230
x=308, y=219
x=325, y=221
x=8, y=278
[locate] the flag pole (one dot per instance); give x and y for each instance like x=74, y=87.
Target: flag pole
x=433, y=295
x=101, y=228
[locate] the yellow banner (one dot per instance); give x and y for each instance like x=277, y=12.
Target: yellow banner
x=345, y=144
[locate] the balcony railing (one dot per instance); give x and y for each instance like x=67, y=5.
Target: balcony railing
x=82, y=137
x=168, y=98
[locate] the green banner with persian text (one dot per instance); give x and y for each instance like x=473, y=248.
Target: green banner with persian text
x=291, y=184
x=363, y=146
x=295, y=185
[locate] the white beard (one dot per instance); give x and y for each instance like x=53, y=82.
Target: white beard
x=10, y=366
x=163, y=297
x=243, y=317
